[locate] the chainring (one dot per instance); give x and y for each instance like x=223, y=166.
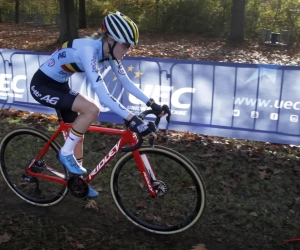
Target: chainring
x=78, y=187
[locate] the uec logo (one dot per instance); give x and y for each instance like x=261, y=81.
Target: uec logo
x=6, y=84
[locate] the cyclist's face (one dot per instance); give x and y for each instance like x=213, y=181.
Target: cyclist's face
x=120, y=50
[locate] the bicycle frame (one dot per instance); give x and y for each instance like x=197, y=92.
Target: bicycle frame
x=127, y=137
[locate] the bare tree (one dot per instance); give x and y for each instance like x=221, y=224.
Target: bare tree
x=81, y=15
x=237, y=20
x=68, y=21
x=17, y=7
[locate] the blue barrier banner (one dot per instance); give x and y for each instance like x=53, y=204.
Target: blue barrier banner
x=245, y=101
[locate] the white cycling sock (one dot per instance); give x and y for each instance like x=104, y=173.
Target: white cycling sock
x=79, y=161
x=73, y=138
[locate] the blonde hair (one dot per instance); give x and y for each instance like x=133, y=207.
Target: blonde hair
x=99, y=35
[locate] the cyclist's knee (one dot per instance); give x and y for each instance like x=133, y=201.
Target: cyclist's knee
x=86, y=107
x=93, y=110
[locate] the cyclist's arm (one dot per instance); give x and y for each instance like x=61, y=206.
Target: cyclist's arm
x=89, y=58
x=126, y=82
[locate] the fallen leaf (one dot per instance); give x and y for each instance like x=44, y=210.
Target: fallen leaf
x=262, y=167
x=296, y=169
x=66, y=230
x=297, y=200
x=277, y=171
x=199, y=247
x=263, y=175
x=141, y=205
x=206, y=155
x=74, y=244
x=253, y=214
x=89, y=230
x=5, y=238
x=69, y=238
x=92, y=204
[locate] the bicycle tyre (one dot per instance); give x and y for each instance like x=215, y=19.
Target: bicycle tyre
x=129, y=191
x=17, y=149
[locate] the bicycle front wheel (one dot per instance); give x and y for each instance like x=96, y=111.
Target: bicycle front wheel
x=17, y=150
x=181, y=198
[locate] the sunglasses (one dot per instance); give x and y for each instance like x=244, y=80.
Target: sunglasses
x=127, y=45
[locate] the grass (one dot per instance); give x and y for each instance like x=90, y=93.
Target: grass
x=253, y=200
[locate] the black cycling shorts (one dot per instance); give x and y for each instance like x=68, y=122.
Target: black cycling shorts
x=54, y=94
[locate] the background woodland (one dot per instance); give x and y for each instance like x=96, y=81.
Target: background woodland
x=233, y=19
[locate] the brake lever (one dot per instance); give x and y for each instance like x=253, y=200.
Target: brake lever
x=167, y=111
x=151, y=141
x=153, y=127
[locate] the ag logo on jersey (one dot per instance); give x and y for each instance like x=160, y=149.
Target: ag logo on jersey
x=49, y=99
x=121, y=70
x=62, y=55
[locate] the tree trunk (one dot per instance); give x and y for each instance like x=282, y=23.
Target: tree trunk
x=237, y=20
x=17, y=5
x=81, y=15
x=68, y=22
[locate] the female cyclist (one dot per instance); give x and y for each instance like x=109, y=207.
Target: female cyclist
x=49, y=85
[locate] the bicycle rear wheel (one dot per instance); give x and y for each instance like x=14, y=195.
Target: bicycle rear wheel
x=17, y=150
x=182, y=195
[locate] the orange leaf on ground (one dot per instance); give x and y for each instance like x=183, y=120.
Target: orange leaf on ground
x=199, y=247
x=5, y=238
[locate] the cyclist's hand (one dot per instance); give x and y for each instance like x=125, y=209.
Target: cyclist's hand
x=138, y=126
x=162, y=110
x=156, y=107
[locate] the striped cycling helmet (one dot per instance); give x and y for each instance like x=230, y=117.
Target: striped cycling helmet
x=121, y=28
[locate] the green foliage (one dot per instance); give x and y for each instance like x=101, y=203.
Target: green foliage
x=206, y=17
x=275, y=15
x=193, y=16
x=30, y=11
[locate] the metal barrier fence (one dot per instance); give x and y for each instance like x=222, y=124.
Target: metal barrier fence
x=247, y=101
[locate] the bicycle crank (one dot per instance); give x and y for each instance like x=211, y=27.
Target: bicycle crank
x=78, y=187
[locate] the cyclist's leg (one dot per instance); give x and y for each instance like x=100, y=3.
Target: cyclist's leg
x=59, y=96
x=88, y=112
x=70, y=117
x=85, y=107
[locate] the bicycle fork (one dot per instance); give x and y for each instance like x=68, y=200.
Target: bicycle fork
x=146, y=171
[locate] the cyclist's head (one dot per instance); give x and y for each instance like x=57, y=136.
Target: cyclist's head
x=121, y=28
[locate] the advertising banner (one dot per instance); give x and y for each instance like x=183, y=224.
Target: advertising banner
x=245, y=101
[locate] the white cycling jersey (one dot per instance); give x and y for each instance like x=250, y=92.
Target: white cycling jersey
x=83, y=55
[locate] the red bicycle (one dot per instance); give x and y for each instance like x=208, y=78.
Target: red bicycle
x=169, y=185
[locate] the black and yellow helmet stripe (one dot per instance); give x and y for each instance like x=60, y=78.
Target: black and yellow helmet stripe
x=133, y=28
